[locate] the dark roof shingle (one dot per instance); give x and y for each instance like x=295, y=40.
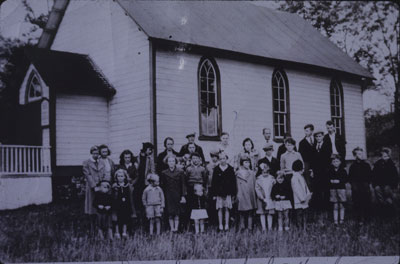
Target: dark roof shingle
x=69, y=72
x=241, y=27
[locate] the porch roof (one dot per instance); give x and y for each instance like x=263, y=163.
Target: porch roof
x=69, y=72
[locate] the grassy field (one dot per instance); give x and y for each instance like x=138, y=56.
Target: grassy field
x=58, y=232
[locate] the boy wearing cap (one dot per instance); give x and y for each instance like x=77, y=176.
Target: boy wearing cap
x=154, y=202
x=185, y=148
x=272, y=162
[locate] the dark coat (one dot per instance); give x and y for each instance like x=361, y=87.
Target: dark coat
x=223, y=182
x=274, y=165
x=340, y=145
x=283, y=189
x=104, y=199
x=198, y=202
x=307, y=150
x=360, y=172
x=320, y=165
x=385, y=173
x=173, y=185
x=123, y=202
x=161, y=165
x=184, y=150
x=340, y=175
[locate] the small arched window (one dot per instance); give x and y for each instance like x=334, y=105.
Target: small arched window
x=337, y=109
x=210, y=99
x=34, y=88
x=280, y=93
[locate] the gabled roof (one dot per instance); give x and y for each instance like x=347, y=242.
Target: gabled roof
x=241, y=27
x=69, y=72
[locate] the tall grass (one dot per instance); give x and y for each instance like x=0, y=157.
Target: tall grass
x=59, y=232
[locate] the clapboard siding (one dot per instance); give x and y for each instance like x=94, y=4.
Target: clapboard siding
x=81, y=122
x=354, y=117
x=117, y=46
x=247, y=101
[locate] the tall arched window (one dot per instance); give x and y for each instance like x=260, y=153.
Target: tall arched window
x=280, y=93
x=337, y=109
x=34, y=89
x=210, y=99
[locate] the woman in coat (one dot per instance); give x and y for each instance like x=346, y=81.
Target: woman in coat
x=173, y=185
x=109, y=167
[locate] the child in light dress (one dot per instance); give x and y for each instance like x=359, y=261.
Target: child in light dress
x=198, y=208
x=265, y=205
x=301, y=193
x=281, y=193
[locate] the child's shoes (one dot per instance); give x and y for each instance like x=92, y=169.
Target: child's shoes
x=117, y=236
x=287, y=228
x=226, y=227
x=280, y=229
x=124, y=235
x=221, y=228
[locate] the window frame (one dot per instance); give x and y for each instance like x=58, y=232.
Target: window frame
x=287, y=104
x=218, y=99
x=338, y=84
x=28, y=98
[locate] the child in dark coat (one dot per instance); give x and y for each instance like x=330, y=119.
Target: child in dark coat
x=281, y=193
x=123, y=202
x=360, y=180
x=337, y=187
x=102, y=202
x=223, y=189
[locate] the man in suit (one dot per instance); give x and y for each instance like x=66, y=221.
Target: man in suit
x=307, y=150
x=268, y=140
x=319, y=166
x=185, y=148
x=337, y=142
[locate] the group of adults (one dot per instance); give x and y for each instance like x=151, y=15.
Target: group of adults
x=315, y=148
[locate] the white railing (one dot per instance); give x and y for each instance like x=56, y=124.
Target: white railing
x=23, y=160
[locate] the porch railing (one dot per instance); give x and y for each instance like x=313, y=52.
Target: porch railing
x=19, y=159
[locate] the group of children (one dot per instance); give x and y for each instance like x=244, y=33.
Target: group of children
x=266, y=187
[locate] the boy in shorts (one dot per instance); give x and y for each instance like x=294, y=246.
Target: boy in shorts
x=154, y=202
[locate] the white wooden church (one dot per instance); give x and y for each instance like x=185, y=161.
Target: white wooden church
x=125, y=72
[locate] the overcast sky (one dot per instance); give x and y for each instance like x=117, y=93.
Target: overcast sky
x=12, y=25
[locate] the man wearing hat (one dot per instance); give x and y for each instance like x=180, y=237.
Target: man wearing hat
x=272, y=162
x=185, y=148
x=268, y=140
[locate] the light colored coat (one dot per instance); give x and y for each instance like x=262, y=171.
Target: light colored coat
x=301, y=193
x=93, y=174
x=263, y=191
x=246, y=196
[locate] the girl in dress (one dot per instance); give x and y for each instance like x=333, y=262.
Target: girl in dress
x=198, y=206
x=173, y=185
x=246, y=195
x=265, y=205
x=123, y=202
x=223, y=189
x=280, y=194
